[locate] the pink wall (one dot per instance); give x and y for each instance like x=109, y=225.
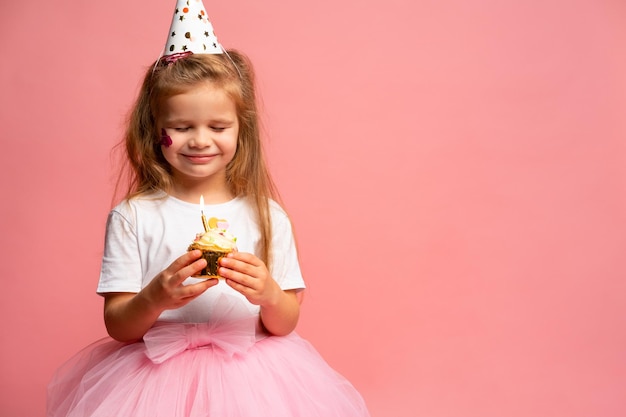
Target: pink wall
x=456, y=171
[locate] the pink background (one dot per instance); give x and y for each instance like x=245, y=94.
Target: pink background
x=456, y=171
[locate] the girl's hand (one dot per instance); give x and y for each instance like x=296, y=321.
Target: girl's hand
x=166, y=292
x=128, y=316
x=247, y=274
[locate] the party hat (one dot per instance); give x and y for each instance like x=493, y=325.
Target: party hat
x=191, y=31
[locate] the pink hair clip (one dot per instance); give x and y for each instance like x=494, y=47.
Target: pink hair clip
x=170, y=59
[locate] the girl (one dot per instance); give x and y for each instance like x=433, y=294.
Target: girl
x=181, y=346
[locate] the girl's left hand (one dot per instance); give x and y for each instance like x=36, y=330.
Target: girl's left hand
x=247, y=274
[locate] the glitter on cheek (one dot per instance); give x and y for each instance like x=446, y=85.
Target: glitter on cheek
x=165, y=139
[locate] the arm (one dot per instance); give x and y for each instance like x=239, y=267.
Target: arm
x=247, y=274
x=281, y=317
x=128, y=316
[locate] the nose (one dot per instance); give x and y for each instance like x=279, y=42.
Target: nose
x=202, y=138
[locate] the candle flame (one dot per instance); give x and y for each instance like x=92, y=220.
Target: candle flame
x=201, y=203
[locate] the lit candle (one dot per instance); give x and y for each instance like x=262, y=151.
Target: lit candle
x=205, y=224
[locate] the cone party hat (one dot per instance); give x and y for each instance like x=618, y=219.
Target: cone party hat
x=191, y=31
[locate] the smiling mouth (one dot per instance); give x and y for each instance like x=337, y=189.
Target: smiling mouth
x=199, y=159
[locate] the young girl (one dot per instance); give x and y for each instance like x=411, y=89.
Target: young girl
x=182, y=346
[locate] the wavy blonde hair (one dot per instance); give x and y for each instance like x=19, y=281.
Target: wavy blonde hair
x=145, y=169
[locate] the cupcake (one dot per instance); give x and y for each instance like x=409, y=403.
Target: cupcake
x=215, y=243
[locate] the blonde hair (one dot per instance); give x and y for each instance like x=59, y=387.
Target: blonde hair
x=145, y=168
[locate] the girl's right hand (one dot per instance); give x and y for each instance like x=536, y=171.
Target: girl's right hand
x=166, y=291
x=128, y=316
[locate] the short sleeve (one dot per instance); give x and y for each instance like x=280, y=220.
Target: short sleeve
x=121, y=263
x=285, y=266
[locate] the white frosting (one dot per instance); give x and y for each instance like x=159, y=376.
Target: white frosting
x=217, y=238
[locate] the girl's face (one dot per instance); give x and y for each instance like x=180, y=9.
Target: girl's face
x=203, y=126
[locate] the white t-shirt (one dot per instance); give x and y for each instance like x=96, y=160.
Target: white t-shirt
x=144, y=235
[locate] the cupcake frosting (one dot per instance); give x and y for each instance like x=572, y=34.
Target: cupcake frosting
x=217, y=237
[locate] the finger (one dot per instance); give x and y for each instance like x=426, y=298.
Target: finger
x=240, y=265
x=244, y=290
x=183, y=260
x=236, y=276
x=248, y=258
x=187, y=271
x=191, y=291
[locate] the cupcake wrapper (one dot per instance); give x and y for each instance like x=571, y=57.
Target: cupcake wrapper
x=212, y=260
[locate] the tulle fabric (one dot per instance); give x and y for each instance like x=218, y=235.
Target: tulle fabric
x=202, y=370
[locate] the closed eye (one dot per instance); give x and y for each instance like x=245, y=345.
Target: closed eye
x=181, y=129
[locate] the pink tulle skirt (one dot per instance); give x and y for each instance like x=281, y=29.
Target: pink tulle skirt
x=184, y=370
